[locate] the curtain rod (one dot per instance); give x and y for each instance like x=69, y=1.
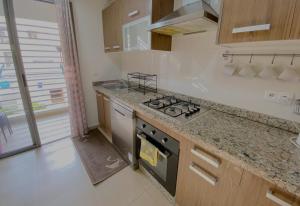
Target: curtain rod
x=260, y=54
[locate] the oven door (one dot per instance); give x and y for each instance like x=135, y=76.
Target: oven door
x=165, y=171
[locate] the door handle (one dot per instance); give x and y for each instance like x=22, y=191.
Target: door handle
x=165, y=156
x=119, y=112
x=276, y=199
x=203, y=174
x=205, y=157
x=260, y=27
x=133, y=13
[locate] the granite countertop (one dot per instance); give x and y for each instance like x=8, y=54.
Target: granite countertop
x=259, y=148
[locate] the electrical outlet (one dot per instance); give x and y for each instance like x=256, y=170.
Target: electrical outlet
x=271, y=96
x=285, y=98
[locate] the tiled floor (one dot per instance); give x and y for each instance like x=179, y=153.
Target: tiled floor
x=55, y=176
x=51, y=128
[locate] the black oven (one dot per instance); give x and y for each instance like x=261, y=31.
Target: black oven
x=165, y=171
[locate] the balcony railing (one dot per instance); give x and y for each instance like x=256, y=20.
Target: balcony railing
x=42, y=60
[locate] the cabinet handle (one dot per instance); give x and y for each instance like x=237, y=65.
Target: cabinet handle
x=107, y=48
x=200, y=172
x=275, y=199
x=116, y=47
x=261, y=27
x=133, y=13
x=206, y=157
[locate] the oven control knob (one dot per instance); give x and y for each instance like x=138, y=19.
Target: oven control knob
x=153, y=132
x=164, y=140
x=144, y=125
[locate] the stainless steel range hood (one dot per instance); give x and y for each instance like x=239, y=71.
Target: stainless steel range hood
x=191, y=18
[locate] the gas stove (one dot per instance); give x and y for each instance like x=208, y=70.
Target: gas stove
x=176, y=108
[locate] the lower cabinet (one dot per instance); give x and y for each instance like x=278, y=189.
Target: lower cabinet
x=254, y=190
x=205, y=179
x=103, y=105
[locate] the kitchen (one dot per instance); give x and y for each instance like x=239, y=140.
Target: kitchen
x=200, y=98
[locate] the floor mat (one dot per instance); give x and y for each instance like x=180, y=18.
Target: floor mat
x=99, y=157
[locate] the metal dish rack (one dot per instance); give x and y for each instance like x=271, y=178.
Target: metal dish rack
x=142, y=82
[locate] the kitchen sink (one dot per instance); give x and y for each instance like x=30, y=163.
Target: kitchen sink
x=114, y=84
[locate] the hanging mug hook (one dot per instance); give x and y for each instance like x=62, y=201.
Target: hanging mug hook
x=273, y=59
x=250, y=60
x=292, y=62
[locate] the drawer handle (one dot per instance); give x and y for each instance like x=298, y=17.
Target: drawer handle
x=200, y=172
x=107, y=48
x=116, y=47
x=261, y=27
x=207, y=158
x=276, y=199
x=133, y=13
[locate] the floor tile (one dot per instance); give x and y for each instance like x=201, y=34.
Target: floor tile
x=54, y=176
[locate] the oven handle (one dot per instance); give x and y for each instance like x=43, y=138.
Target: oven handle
x=165, y=156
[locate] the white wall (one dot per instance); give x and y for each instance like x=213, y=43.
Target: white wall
x=195, y=67
x=95, y=64
x=34, y=10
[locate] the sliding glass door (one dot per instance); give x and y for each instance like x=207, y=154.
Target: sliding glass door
x=17, y=123
x=41, y=53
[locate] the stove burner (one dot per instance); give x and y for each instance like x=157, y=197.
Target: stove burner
x=155, y=102
x=174, y=107
x=173, y=111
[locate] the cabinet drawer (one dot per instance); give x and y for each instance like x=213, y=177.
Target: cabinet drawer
x=205, y=158
x=205, y=179
x=135, y=9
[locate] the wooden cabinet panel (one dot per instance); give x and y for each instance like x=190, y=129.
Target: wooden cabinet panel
x=237, y=14
x=135, y=9
x=295, y=33
x=195, y=186
x=107, y=28
x=104, y=118
x=107, y=117
x=112, y=27
x=117, y=43
x=101, y=111
x=253, y=191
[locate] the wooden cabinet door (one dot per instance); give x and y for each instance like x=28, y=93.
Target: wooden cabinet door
x=116, y=26
x=196, y=177
x=107, y=108
x=112, y=27
x=107, y=14
x=240, y=16
x=135, y=9
x=256, y=191
x=101, y=110
x=295, y=33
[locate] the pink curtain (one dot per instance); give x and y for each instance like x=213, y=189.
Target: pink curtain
x=71, y=68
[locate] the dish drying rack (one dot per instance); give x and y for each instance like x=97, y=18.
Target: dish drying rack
x=142, y=82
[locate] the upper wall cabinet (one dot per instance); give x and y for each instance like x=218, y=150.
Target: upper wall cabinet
x=125, y=25
x=112, y=27
x=295, y=34
x=252, y=20
x=135, y=9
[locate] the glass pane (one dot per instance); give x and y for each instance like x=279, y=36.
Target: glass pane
x=136, y=36
x=15, y=133
x=39, y=40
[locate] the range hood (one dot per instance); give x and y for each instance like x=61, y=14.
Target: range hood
x=192, y=18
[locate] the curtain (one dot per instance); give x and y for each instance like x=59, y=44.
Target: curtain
x=71, y=68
